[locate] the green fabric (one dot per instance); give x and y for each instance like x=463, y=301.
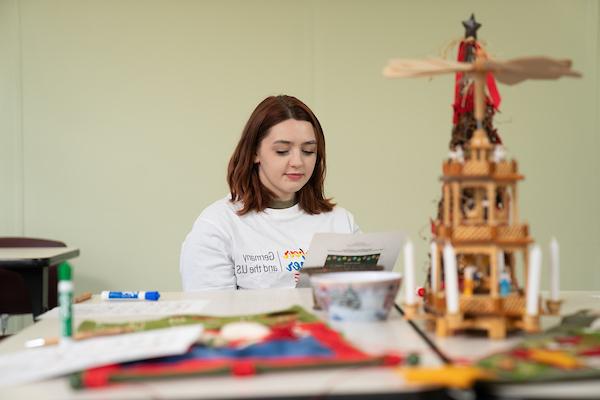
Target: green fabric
x=295, y=313
x=509, y=366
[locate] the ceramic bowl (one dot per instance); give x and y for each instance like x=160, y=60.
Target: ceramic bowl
x=356, y=296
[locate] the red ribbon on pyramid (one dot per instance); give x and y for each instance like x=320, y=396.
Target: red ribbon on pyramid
x=464, y=96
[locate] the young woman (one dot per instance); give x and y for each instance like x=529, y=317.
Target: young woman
x=257, y=237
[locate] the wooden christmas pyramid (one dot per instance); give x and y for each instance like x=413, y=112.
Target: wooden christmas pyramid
x=473, y=282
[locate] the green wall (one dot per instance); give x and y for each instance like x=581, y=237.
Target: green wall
x=117, y=118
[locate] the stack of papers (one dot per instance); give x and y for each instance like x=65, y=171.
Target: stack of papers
x=133, y=308
x=52, y=361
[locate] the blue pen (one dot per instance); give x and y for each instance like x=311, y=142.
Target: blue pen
x=111, y=295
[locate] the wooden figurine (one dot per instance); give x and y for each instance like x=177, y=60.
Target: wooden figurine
x=478, y=235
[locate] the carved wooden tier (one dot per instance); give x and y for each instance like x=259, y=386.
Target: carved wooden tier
x=513, y=233
x=502, y=171
x=499, y=235
x=512, y=305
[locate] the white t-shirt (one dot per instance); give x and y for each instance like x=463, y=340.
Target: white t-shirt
x=253, y=251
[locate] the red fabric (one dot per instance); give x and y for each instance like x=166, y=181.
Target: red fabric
x=594, y=351
x=332, y=340
x=100, y=377
x=344, y=354
x=285, y=331
x=569, y=340
x=464, y=102
x=520, y=353
x=494, y=99
x=393, y=359
x=243, y=368
x=458, y=77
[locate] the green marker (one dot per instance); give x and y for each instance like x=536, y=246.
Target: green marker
x=65, y=301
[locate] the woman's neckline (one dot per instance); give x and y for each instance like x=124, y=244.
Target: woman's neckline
x=282, y=204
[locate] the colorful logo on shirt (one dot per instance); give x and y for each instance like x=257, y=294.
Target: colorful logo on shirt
x=294, y=259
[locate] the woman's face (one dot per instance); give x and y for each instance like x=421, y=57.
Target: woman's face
x=286, y=157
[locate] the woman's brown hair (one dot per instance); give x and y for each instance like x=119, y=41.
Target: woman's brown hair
x=242, y=173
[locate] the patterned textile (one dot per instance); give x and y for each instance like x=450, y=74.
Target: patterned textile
x=296, y=340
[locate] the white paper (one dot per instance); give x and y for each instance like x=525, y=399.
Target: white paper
x=52, y=361
x=386, y=245
x=134, y=308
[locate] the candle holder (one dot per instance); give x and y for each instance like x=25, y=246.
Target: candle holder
x=410, y=310
x=446, y=325
x=454, y=321
x=531, y=323
x=553, y=306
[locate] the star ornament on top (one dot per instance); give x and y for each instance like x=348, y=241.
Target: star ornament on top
x=471, y=27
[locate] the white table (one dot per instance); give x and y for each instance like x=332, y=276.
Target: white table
x=394, y=334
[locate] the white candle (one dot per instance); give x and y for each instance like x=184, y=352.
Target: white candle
x=500, y=263
x=434, y=266
x=554, y=270
x=450, y=279
x=533, y=281
x=500, y=267
x=410, y=296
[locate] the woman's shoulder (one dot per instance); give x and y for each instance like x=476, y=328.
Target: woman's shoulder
x=337, y=213
x=345, y=217
x=340, y=211
x=220, y=209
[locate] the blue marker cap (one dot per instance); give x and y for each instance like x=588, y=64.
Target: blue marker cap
x=151, y=295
